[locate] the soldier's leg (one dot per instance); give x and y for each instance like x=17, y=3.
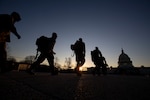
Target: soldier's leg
x=50, y=59
x=40, y=59
x=98, y=70
x=81, y=61
x=3, y=56
x=77, y=62
x=94, y=70
x=78, y=71
x=104, y=70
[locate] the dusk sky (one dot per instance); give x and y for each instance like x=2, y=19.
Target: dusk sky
x=107, y=24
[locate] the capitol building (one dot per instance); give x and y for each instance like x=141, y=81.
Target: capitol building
x=125, y=66
x=124, y=61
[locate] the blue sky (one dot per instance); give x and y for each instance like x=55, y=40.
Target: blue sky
x=107, y=24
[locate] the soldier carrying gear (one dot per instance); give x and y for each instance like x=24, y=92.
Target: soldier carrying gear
x=79, y=49
x=45, y=47
x=6, y=26
x=99, y=61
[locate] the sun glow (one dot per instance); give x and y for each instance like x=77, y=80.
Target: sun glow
x=80, y=69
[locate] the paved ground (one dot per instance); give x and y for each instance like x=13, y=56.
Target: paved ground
x=16, y=85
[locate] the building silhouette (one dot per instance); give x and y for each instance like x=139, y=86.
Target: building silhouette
x=125, y=65
x=124, y=61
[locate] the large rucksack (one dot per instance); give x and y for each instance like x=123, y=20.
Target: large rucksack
x=42, y=43
x=78, y=47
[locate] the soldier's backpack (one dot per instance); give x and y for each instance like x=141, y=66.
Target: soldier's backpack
x=42, y=43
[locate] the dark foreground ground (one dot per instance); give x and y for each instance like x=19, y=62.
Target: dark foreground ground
x=16, y=85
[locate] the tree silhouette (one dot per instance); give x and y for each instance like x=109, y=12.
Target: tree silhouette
x=56, y=64
x=11, y=58
x=29, y=59
x=68, y=63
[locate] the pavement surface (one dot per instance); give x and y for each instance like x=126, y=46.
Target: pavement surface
x=16, y=85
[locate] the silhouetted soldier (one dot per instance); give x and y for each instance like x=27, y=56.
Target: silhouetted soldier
x=99, y=61
x=45, y=46
x=6, y=26
x=79, y=49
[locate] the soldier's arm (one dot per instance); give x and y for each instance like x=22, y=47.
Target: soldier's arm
x=105, y=61
x=14, y=31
